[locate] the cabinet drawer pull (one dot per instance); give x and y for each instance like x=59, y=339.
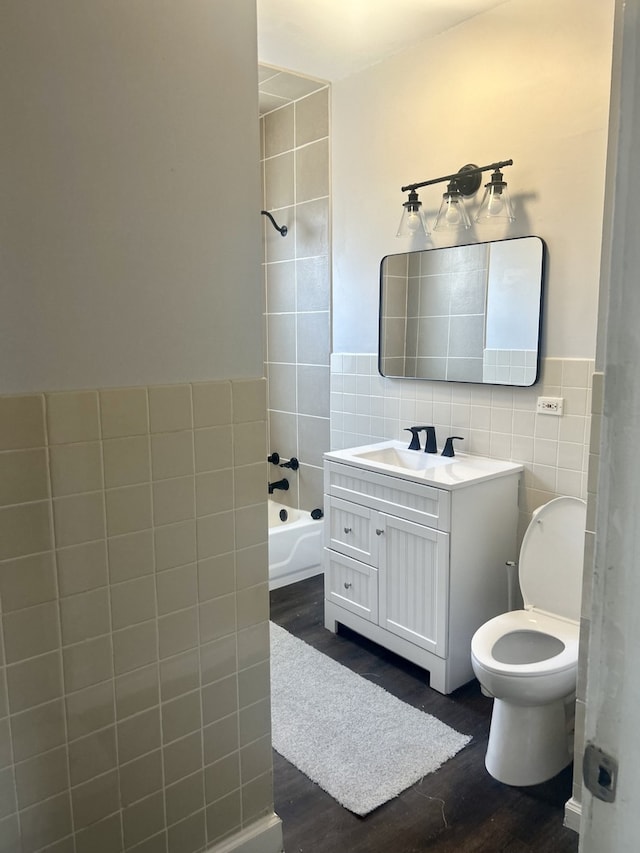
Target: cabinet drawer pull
x=379, y=531
x=347, y=585
x=347, y=529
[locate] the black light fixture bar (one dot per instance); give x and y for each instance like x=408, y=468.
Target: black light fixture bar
x=461, y=175
x=281, y=228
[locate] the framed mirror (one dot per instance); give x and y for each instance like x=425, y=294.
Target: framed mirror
x=463, y=313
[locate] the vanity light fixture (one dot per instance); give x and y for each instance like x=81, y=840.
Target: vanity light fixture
x=281, y=228
x=413, y=220
x=496, y=203
x=453, y=214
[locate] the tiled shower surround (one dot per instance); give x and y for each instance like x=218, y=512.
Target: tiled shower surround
x=496, y=421
x=295, y=142
x=134, y=689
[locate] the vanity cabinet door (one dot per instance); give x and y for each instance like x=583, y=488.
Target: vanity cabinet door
x=349, y=530
x=413, y=582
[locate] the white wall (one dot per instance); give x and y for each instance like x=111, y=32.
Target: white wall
x=130, y=167
x=529, y=81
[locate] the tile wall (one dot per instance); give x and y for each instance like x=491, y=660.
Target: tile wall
x=134, y=681
x=295, y=163
x=501, y=422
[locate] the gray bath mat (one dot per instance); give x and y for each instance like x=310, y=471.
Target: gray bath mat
x=362, y=745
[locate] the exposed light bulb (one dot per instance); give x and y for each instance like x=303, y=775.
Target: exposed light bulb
x=452, y=215
x=414, y=223
x=495, y=204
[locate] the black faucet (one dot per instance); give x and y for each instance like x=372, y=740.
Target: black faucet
x=415, y=437
x=448, y=445
x=430, y=446
x=292, y=463
x=279, y=484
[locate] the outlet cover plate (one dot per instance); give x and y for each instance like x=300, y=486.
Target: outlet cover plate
x=550, y=406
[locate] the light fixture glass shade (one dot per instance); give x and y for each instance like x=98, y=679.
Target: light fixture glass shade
x=496, y=202
x=413, y=221
x=452, y=215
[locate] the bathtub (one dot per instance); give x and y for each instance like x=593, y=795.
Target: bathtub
x=295, y=545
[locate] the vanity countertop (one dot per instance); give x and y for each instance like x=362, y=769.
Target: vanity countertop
x=393, y=458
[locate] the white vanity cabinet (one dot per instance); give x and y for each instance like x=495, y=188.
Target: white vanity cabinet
x=415, y=567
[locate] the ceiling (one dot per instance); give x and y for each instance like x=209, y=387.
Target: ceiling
x=332, y=39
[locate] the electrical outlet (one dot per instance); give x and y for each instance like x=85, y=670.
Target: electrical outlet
x=550, y=405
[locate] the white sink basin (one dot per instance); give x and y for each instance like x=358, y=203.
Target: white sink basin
x=444, y=472
x=412, y=460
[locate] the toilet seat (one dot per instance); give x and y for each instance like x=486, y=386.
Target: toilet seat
x=499, y=627
x=552, y=557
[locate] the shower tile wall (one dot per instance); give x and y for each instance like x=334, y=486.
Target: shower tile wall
x=134, y=681
x=295, y=152
x=495, y=421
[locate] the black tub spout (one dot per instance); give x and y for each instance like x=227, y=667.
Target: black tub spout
x=279, y=484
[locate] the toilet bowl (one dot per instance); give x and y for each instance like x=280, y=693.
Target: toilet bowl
x=527, y=660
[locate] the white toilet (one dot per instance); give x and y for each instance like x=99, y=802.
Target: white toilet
x=528, y=659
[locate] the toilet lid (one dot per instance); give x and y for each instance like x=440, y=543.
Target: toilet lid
x=552, y=557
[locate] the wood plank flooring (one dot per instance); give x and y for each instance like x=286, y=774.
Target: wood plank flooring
x=458, y=809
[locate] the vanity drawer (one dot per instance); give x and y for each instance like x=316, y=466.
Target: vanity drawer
x=348, y=529
x=414, y=501
x=351, y=584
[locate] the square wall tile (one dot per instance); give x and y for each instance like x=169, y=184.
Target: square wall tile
x=73, y=416
x=34, y=682
x=45, y=822
x=215, y=534
x=181, y=716
x=175, y=545
x=87, y=663
x=126, y=461
x=178, y=632
x=173, y=500
x=213, y=448
x=134, y=647
x=92, y=755
x=133, y=601
x=95, y=799
x=41, y=777
x=90, y=709
x=38, y=730
x=139, y=734
x=79, y=518
x=143, y=819
x=23, y=476
x=76, y=468
x=22, y=422
x=211, y=403
x=85, y=615
x=27, y=581
x=249, y=400
x=170, y=408
x=131, y=555
x=215, y=491
x=30, y=632
x=82, y=567
x=179, y=674
x=137, y=691
x=177, y=588
x=124, y=411
x=128, y=509
x=141, y=777
x=172, y=454
x=25, y=529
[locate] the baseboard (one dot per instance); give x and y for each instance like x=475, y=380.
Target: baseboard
x=572, y=814
x=263, y=836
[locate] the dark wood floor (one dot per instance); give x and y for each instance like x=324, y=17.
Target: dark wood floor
x=459, y=808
